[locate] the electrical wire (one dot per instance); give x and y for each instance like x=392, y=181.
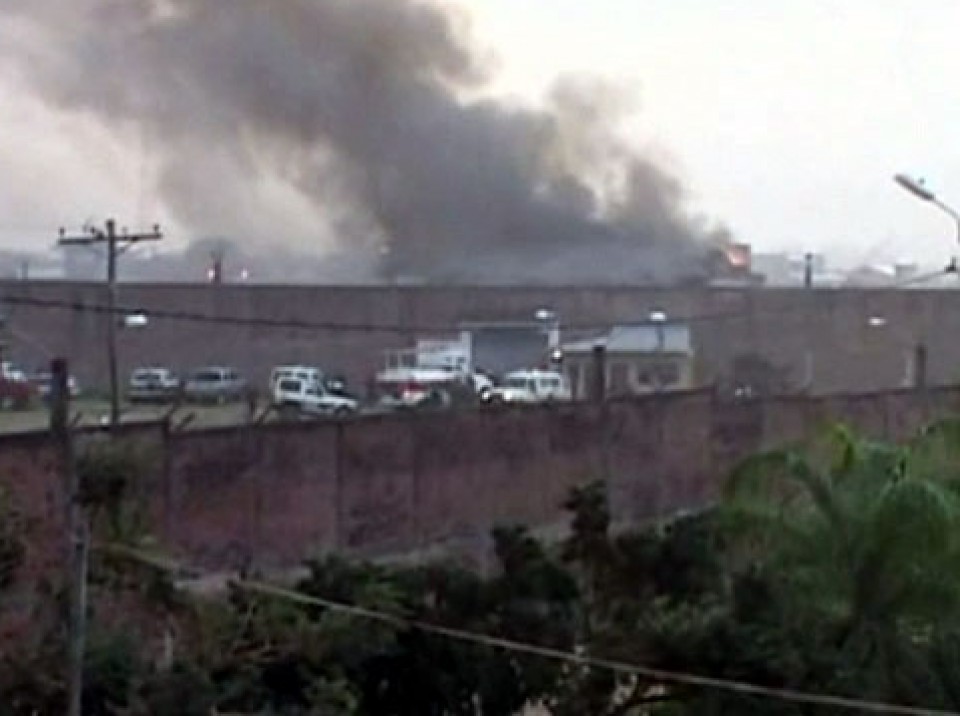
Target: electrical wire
x=298, y=324
x=620, y=667
x=743, y=313
x=264, y=589
x=950, y=269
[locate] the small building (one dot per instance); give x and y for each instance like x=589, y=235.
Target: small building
x=501, y=345
x=451, y=354
x=647, y=358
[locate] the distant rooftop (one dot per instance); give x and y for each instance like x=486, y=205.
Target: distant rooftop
x=646, y=338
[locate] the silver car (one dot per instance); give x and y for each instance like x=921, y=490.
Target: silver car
x=214, y=384
x=153, y=385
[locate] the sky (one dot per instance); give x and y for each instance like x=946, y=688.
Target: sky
x=784, y=120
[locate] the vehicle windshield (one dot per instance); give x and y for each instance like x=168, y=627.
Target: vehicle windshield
x=208, y=376
x=298, y=373
x=290, y=385
x=518, y=382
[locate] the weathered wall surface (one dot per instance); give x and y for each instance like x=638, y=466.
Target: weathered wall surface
x=32, y=495
x=391, y=485
x=30, y=490
x=824, y=333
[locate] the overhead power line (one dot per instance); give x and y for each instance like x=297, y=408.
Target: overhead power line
x=745, y=688
x=745, y=312
x=620, y=667
x=298, y=324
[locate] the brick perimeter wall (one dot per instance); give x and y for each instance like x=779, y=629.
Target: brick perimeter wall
x=391, y=485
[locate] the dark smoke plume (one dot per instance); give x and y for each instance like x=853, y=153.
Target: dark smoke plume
x=361, y=107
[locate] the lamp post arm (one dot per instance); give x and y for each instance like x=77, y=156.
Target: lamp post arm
x=949, y=210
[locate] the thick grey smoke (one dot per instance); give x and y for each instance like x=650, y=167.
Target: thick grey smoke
x=360, y=105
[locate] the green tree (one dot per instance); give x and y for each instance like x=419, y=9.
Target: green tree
x=531, y=598
x=646, y=596
x=859, y=542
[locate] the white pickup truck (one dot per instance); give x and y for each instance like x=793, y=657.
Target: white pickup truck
x=311, y=397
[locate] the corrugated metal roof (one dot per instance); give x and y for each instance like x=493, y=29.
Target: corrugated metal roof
x=652, y=338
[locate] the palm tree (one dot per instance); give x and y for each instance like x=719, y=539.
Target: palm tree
x=863, y=538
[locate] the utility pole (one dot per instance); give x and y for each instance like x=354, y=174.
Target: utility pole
x=599, y=373
x=808, y=270
x=77, y=538
x=215, y=272
x=116, y=245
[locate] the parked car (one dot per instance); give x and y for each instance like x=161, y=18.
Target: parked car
x=531, y=386
x=308, y=374
x=311, y=398
x=15, y=390
x=214, y=384
x=414, y=388
x=12, y=371
x=153, y=385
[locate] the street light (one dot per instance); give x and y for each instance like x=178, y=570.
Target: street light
x=917, y=188
x=915, y=363
x=658, y=318
x=551, y=322
x=135, y=320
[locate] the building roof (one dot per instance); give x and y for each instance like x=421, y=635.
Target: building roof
x=638, y=339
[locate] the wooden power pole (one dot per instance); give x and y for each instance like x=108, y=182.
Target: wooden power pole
x=77, y=537
x=116, y=245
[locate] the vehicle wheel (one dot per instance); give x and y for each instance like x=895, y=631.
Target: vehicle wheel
x=342, y=412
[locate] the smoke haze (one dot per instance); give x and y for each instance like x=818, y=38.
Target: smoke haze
x=345, y=127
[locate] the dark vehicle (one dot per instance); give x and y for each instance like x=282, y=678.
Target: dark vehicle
x=215, y=384
x=14, y=393
x=336, y=385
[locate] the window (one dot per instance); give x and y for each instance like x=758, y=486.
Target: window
x=290, y=385
x=207, y=376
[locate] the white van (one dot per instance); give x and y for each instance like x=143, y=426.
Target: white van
x=214, y=384
x=311, y=398
x=531, y=386
x=308, y=375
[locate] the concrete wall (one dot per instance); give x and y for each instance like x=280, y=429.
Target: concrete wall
x=392, y=485
x=825, y=332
